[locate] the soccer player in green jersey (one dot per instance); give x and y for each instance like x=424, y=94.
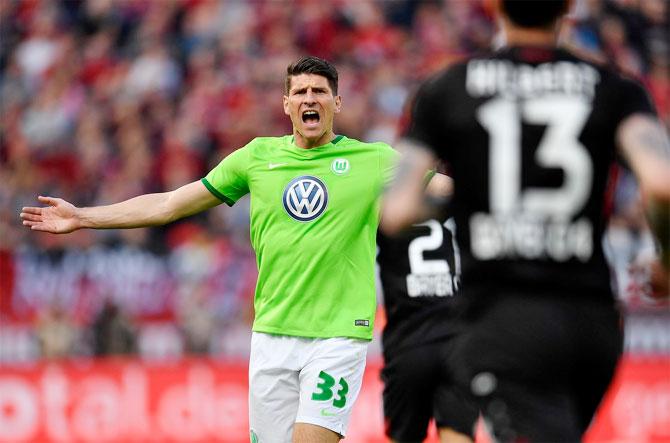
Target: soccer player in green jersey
x=314, y=216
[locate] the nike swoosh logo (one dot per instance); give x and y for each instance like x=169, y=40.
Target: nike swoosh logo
x=276, y=165
x=327, y=414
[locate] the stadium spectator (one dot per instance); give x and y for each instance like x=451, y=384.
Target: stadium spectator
x=56, y=333
x=112, y=332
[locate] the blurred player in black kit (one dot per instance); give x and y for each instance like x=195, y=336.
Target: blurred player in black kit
x=530, y=133
x=419, y=271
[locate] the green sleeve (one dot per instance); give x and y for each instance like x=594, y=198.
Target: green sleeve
x=429, y=176
x=389, y=161
x=228, y=181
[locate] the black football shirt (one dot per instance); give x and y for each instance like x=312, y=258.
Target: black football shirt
x=529, y=137
x=420, y=275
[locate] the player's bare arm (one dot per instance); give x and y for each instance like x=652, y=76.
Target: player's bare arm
x=645, y=145
x=440, y=186
x=406, y=202
x=60, y=216
x=644, y=142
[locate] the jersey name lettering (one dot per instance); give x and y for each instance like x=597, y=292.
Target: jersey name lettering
x=494, y=237
x=491, y=77
x=440, y=285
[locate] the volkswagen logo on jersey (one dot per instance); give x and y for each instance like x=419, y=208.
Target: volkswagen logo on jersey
x=305, y=198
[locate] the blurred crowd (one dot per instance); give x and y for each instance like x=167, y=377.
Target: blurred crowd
x=102, y=100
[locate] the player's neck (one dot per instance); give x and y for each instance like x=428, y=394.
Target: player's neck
x=517, y=36
x=309, y=143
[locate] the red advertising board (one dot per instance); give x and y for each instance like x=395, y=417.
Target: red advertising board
x=636, y=408
x=195, y=400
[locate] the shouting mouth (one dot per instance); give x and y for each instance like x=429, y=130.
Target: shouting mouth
x=311, y=118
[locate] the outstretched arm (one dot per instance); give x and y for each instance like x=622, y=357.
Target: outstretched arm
x=407, y=201
x=60, y=217
x=644, y=143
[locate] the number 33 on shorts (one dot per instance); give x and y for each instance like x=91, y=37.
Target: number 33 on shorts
x=324, y=391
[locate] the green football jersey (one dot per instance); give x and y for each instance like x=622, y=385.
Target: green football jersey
x=314, y=217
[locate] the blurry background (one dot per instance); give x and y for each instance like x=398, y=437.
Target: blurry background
x=102, y=100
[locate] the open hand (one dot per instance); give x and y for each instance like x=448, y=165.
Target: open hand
x=59, y=217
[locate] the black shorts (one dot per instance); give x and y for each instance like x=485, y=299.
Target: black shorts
x=539, y=366
x=418, y=386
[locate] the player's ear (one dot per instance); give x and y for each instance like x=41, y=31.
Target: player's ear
x=338, y=103
x=286, y=109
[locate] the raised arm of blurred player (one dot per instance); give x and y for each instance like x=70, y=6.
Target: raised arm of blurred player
x=644, y=143
x=407, y=202
x=61, y=217
x=440, y=186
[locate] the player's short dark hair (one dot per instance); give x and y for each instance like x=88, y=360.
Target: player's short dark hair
x=534, y=13
x=312, y=65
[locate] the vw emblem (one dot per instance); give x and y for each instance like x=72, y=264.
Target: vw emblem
x=305, y=198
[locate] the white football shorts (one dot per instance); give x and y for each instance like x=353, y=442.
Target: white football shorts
x=304, y=380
